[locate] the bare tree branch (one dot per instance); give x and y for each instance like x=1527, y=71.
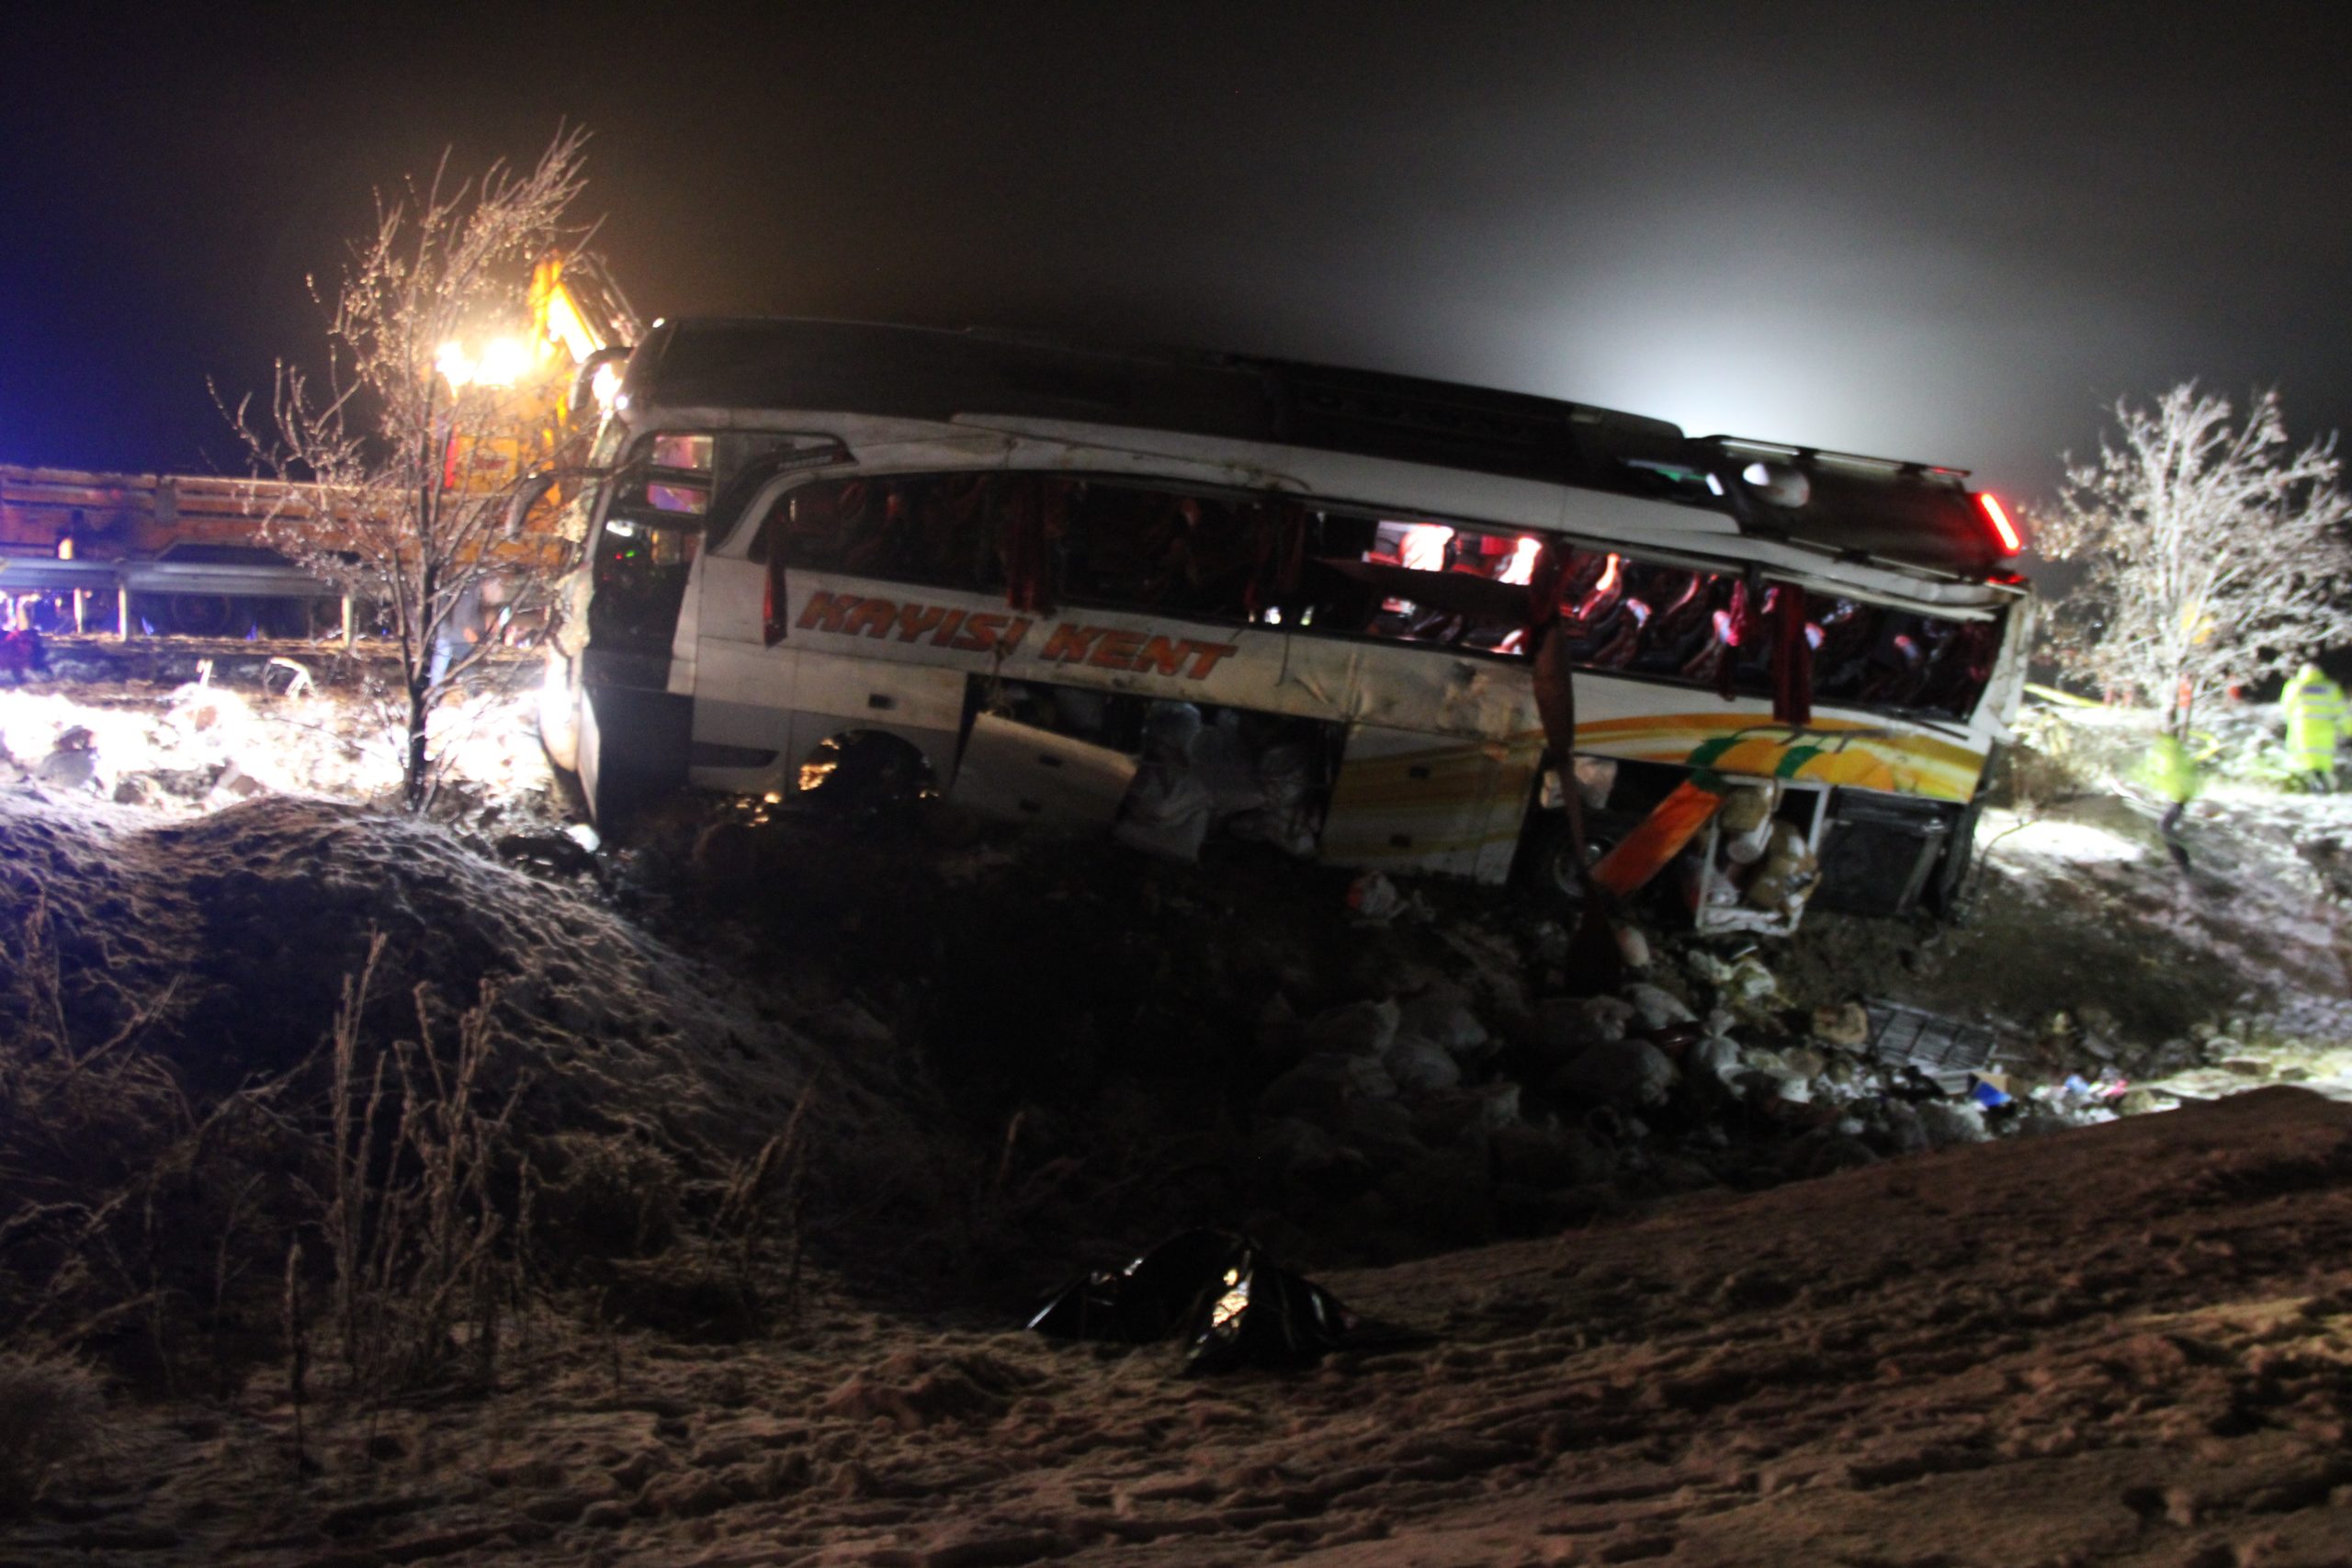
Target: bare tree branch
x=416, y=451
x=2213, y=555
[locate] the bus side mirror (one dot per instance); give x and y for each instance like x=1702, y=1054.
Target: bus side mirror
x=583, y=380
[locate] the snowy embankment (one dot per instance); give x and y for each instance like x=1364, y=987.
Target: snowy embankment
x=2131, y=1344
x=258, y=915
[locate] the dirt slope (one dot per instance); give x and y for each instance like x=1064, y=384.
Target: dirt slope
x=2131, y=1344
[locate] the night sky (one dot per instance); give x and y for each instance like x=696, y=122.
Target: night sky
x=1948, y=233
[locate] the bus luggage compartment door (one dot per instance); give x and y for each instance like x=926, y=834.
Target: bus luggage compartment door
x=1023, y=774
x=1407, y=800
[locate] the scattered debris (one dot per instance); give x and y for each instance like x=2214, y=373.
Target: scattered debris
x=1373, y=898
x=1231, y=1303
x=288, y=676
x=1941, y=1049
x=558, y=854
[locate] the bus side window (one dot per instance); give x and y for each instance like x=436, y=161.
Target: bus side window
x=960, y=527
x=1752, y=661
x=1897, y=671
x=1883, y=658
x=1211, y=559
x=1723, y=603
x=1959, y=669
x=1160, y=550
x=1495, y=625
x=1329, y=600
x=1680, y=622
x=1110, y=546
x=1841, y=664
x=811, y=526
x=1595, y=615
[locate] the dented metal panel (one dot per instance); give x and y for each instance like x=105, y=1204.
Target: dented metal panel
x=854, y=688
x=1518, y=763
x=1020, y=772
x=753, y=727
x=1406, y=799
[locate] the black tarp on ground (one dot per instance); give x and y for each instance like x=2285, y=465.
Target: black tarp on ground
x=1231, y=1303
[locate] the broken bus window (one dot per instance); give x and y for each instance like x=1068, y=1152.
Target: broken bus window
x=1166, y=550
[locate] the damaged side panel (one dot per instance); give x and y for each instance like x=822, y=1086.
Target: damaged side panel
x=1168, y=662
x=1403, y=798
x=1161, y=775
x=1023, y=773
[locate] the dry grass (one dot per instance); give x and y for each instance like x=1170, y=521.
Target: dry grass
x=373, y=1216
x=51, y=1415
x=124, y=1204
x=413, y=1226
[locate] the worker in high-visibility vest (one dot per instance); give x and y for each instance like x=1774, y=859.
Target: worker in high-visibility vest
x=2314, y=708
x=2168, y=769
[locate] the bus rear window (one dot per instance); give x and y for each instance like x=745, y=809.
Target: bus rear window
x=1874, y=656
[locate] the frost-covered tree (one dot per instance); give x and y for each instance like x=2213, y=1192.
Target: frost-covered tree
x=2213, y=552
x=422, y=428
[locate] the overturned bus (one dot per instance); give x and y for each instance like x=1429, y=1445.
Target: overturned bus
x=1171, y=597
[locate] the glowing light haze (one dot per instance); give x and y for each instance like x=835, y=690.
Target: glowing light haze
x=1943, y=232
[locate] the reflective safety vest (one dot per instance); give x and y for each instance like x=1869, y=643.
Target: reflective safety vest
x=2315, y=715
x=2169, y=769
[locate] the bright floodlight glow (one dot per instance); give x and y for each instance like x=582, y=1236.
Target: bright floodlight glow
x=502, y=362
x=454, y=364
x=564, y=326
x=505, y=361
x=606, y=384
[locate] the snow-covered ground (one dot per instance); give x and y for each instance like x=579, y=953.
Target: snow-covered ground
x=2127, y=1342
x=2126, y=1345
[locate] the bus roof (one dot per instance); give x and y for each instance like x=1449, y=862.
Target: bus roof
x=1904, y=513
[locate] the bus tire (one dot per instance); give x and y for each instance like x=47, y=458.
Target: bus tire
x=285, y=618
x=203, y=615
x=865, y=773
x=1546, y=857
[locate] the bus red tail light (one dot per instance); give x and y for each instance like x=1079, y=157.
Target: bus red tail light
x=2005, y=533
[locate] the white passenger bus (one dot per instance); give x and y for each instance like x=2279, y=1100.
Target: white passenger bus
x=1176, y=597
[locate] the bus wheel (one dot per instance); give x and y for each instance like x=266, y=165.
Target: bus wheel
x=200, y=614
x=864, y=774
x=1547, y=860
x=288, y=619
